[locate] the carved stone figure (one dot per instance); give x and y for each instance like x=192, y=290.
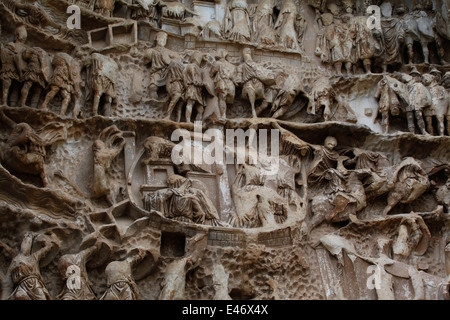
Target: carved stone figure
x=159, y=58
x=237, y=25
x=106, y=148
x=176, y=10
x=12, y=61
x=388, y=103
x=442, y=27
x=105, y=72
x=36, y=71
x=61, y=81
x=193, y=83
x=25, y=150
x=253, y=77
x=321, y=97
x=174, y=283
x=341, y=188
x=290, y=26
x=223, y=73
x=393, y=38
x=175, y=88
x=411, y=183
x=420, y=100
x=264, y=23
x=439, y=104
x=120, y=281
x=73, y=271
x=24, y=268
x=147, y=10
x=329, y=42
x=418, y=27
x=185, y=200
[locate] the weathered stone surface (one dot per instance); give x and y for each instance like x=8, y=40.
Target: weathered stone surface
x=228, y=149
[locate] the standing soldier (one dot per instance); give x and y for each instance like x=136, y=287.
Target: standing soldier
x=36, y=71
x=60, y=82
x=439, y=104
x=388, y=102
x=193, y=82
x=223, y=73
x=12, y=61
x=419, y=100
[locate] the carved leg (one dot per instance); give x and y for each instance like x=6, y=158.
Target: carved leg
x=426, y=52
x=49, y=97
x=97, y=96
x=179, y=111
x=189, y=107
x=77, y=108
x=24, y=93
x=421, y=122
x=410, y=53
x=281, y=112
x=107, y=106
x=222, y=106
x=385, y=122
x=252, y=99
x=200, y=110
x=368, y=65
x=65, y=103
x=441, y=125
x=410, y=118
x=172, y=105
x=393, y=199
x=429, y=120
x=6, y=85
x=349, y=67
x=338, y=68
x=153, y=91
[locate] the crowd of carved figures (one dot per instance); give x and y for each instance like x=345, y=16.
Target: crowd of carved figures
x=204, y=84
x=329, y=183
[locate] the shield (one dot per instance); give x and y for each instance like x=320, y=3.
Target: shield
x=46, y=63
x=105, y=66
x=425, y=25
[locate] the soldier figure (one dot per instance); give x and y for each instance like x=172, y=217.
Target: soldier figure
x=419, y=100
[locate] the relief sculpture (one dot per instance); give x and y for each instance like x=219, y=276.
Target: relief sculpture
x=224, y=149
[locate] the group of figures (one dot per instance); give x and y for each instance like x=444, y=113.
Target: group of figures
x=210, y=82
x=105, y=199
x=33, y=67
x=384, y=35
x=422, y=98
x=28, y=284
x=266, y=22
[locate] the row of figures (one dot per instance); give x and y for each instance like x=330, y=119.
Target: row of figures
x=28, y=284
x=265, y=22
x=205, y=84
x=384, y=34
x=58, y=74
x=424, y=98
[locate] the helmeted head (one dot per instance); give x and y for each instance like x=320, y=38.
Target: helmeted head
x=334, y=9
x=330, y=143
x=21, y=34
x=247, y=54
x=327, y=19
x=427, y=79
x=161, y=39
